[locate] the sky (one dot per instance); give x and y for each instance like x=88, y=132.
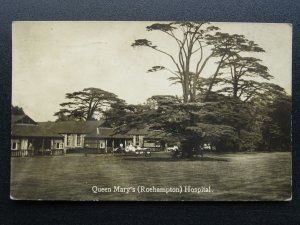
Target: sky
x=51, y=59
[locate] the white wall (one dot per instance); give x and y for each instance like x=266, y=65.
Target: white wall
x=102, y=144
x=24, y=144
x=73, y=141
x=140, y=139
x=17, y=141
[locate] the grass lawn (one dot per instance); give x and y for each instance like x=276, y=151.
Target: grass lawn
x=241, y=176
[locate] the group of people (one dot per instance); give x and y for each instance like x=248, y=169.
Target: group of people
x=133, y=149
x=129, y=148
x=176, y=150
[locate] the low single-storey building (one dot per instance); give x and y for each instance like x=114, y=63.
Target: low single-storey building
x=28, y=138
x=148, y=138
x=73, y=132
x=106, y=140
x=31, y=138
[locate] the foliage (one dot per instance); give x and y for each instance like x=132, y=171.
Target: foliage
x=88, y=104
x=235, y=108
x=229, y=48
x=199, y=42
x=219, y=123
x=276, y=126
x=16, y=110
x=242, y=71
x=190, y=39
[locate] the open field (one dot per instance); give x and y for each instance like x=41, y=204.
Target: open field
x=242, y=176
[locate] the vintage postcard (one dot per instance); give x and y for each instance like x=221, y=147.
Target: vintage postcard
x=151, y=111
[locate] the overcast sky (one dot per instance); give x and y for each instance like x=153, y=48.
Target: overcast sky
x=53, y=58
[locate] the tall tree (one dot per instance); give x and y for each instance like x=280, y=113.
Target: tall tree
x=87, y=104
x=243, y=77
x=228, y=47
x=218, y=109
x=191, y=59
x=198, y=43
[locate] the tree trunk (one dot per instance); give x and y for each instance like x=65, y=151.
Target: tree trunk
x=187, y=73
x=184, y=92
x=235, y=88
x=214, y=79
x=186, y=88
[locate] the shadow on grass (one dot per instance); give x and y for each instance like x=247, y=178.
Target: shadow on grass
x=160, y=159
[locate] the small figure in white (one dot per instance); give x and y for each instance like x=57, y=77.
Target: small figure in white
x=175, y=148
x=129, y=148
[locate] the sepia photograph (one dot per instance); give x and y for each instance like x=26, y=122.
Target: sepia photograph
x=151, y=111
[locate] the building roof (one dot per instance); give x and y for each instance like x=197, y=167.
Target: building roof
x=147, y=132
x=15, y=118
x=24, y=126
x=21, y=119
x=156, y=134
x=141, y=131
x=110, y=133
x=52, y=129
x=72, y=127
x=30, y=130
x=106, y=132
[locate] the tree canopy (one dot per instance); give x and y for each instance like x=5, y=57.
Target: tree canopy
x=231, y=107
x=16, y=110
x=236, y=108
x=88, y=104
x=190, y=40
x=197, y=44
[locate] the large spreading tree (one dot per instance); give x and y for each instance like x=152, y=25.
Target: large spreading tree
x=235, y=108
x=88, y=104
x=189, y=38
x=197, y=44
x=220, y=109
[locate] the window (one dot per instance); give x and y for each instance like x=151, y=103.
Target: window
x=57, y=145
x=78, y=140
x=68, y=139
x=137, y=140
x=14, y=145
x=102, y=144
